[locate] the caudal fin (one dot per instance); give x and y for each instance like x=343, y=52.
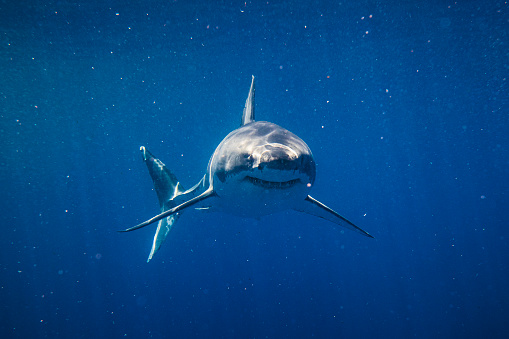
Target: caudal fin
x=165, y=182
x=167, y=187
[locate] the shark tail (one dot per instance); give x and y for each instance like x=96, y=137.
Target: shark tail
x=165, y=182
x=167, y=187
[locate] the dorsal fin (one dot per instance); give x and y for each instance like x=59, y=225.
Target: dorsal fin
x=249, y=110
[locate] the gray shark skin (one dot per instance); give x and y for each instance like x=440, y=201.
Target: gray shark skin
x=258, y=169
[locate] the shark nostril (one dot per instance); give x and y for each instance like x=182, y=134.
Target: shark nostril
x=265, y=156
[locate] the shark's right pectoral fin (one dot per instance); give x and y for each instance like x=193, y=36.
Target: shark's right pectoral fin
x=209, y=193
x=314, y=207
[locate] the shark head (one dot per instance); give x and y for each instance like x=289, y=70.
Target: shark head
x=270, y=165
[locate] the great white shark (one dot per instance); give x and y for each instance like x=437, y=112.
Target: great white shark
x=258, y=169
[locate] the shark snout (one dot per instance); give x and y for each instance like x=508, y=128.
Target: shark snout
x=275, y=156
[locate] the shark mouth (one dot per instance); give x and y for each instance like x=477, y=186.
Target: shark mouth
x=272, y=184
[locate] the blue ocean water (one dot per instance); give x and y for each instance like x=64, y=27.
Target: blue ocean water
x=404, y=105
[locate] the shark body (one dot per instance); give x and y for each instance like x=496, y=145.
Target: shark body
x=258, y=169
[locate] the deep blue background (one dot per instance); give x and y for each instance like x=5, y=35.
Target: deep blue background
x=404, y=104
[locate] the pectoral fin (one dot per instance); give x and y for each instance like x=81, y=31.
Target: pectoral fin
x=205, y=195
x=314, y=207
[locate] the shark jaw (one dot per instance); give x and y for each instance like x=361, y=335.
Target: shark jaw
x=255, y=193
x=272, y=184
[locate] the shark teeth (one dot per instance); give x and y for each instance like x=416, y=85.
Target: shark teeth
x=272, y=184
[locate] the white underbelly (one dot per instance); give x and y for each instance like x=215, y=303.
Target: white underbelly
x=245, y=199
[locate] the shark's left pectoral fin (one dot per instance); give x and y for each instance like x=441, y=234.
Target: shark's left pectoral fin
x=314, y=207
